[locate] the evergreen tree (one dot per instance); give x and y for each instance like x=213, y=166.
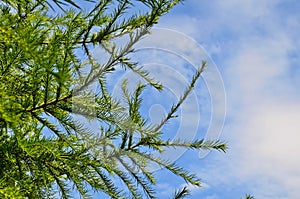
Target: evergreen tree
x=45, y=151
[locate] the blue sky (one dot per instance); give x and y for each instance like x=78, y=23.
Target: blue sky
x=255, y=45
x=252, y=50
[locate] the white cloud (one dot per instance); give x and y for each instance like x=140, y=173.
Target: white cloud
x=266, y=128
x=194, y=189
x=214, y=196
x=165, y=189
x=253, y=43
x=267, y=147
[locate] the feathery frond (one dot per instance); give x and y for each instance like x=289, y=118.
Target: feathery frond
x=48, y=72
x=183, y=193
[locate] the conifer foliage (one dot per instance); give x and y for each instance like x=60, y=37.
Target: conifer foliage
x=45, y=151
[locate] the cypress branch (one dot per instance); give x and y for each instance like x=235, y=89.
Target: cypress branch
x=44, y=147
x=182, y=98
x=182, y=193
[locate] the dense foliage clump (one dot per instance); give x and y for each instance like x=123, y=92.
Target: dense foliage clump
x=45, y=150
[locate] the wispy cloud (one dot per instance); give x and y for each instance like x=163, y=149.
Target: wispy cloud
x=255, y=44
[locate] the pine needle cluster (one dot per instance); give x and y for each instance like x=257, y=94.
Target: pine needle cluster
x=45, y=152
